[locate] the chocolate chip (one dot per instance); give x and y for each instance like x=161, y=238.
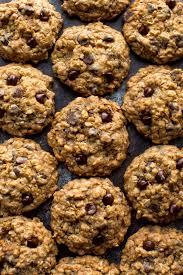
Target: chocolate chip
x=5, y=41
x=179, y=163
x=18, y=93
x=160, y=177
x=14, y=109
x=16, y=171
x=41, y=98
x=33, y=242
x=98, y=240
x=106, y=116
x=150, y=8
x=108, y=38
x=1, y=94
x=12, y=80
x=81, y=159
x=174, y=209
x=28, y=10
x=4, y=21
x=91, y=208
x=2, y=112
x=83, y=41
x=146, y=117
x=27, y=198
x=32, y=43
x=143, y=30
x=108, y=199
x=21, y=160
x=154, y=207
x=179, y=41
x=88, y=59
x=72, y=75
x=173, y=106
x=148, y=91
x=148, y=245
x=171, y=4
x=109, y=77
x=142, y=184
x=44, y=16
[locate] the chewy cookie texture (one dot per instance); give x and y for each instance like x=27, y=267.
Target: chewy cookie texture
x=26, y=247
x=97, y=216
x=28, y=176
x=90, y=136
x=154, y=184
x=88, y=265
x=94, y=10
x=154, y=102
x=26, y=100
x=153, y=250
x=28, y=29
x=154, y=29
x=92, y=59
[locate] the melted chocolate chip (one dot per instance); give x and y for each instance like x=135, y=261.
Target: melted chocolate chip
x=33, y=242
x=44, y=16
x=83, y=41
x=150, y=8
x=142, y=184
x=81, y=159
x=106, y=116
x=91, y=208
x=148, y=245
x=108, y=199
x=12, y=80
x=32, y=43
x=21, y=160
x=2, y=112
x=179, y=163
x=4, y=21
x=146, y=117
x=72, y=75
x=143, y=30
x=88, y=59
x=160, y=177
x=179, y=41
x=174, y=209
x=108, y=38
x=27, y=10
x=18, y=93
x=109, y=77
x=27, y=199
x=148, y=91
x=5, y=41
x=154, y=207
x=98, y=240
x=41, y=98
x=171, y=4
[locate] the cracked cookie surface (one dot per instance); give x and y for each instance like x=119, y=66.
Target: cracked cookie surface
x=153, y=250
x=97, y=216
x=26, y=247
x=154, y=29
x=26, y=100
x=154, y=103
x=28, y=176
x=94, y=10
x=28, y=29
x=89, y=135
x=90, y=265
x=154, y=184
x=92, y=59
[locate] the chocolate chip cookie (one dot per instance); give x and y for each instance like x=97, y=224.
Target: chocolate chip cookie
x=26, y=100
x=92, y=59
x=26, y=247
x=154, y=184
x=154, y=103
x=89, y=265
x=154, y=29
x=97, y=216
x=28, y=176
x=94, y=10
x=153, y=250
x=28, y=29
x=90, y=136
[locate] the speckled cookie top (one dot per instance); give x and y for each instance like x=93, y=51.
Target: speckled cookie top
x=28, y=29
x=153, y=250
x=90, y=136
x=26, y=100
x=91, y=59
x=90, y=265
x=28, y=176
x=97, y=216
x=154, y=29
x=154, y=183
x=154, y=103
x=26, y=247
x=94, y=10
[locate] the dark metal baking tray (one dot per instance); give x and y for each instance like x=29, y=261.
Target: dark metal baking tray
x=137, y=143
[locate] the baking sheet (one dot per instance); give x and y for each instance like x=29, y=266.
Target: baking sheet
x=137, y=143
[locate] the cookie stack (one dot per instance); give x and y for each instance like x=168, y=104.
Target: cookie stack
x=89, y=135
